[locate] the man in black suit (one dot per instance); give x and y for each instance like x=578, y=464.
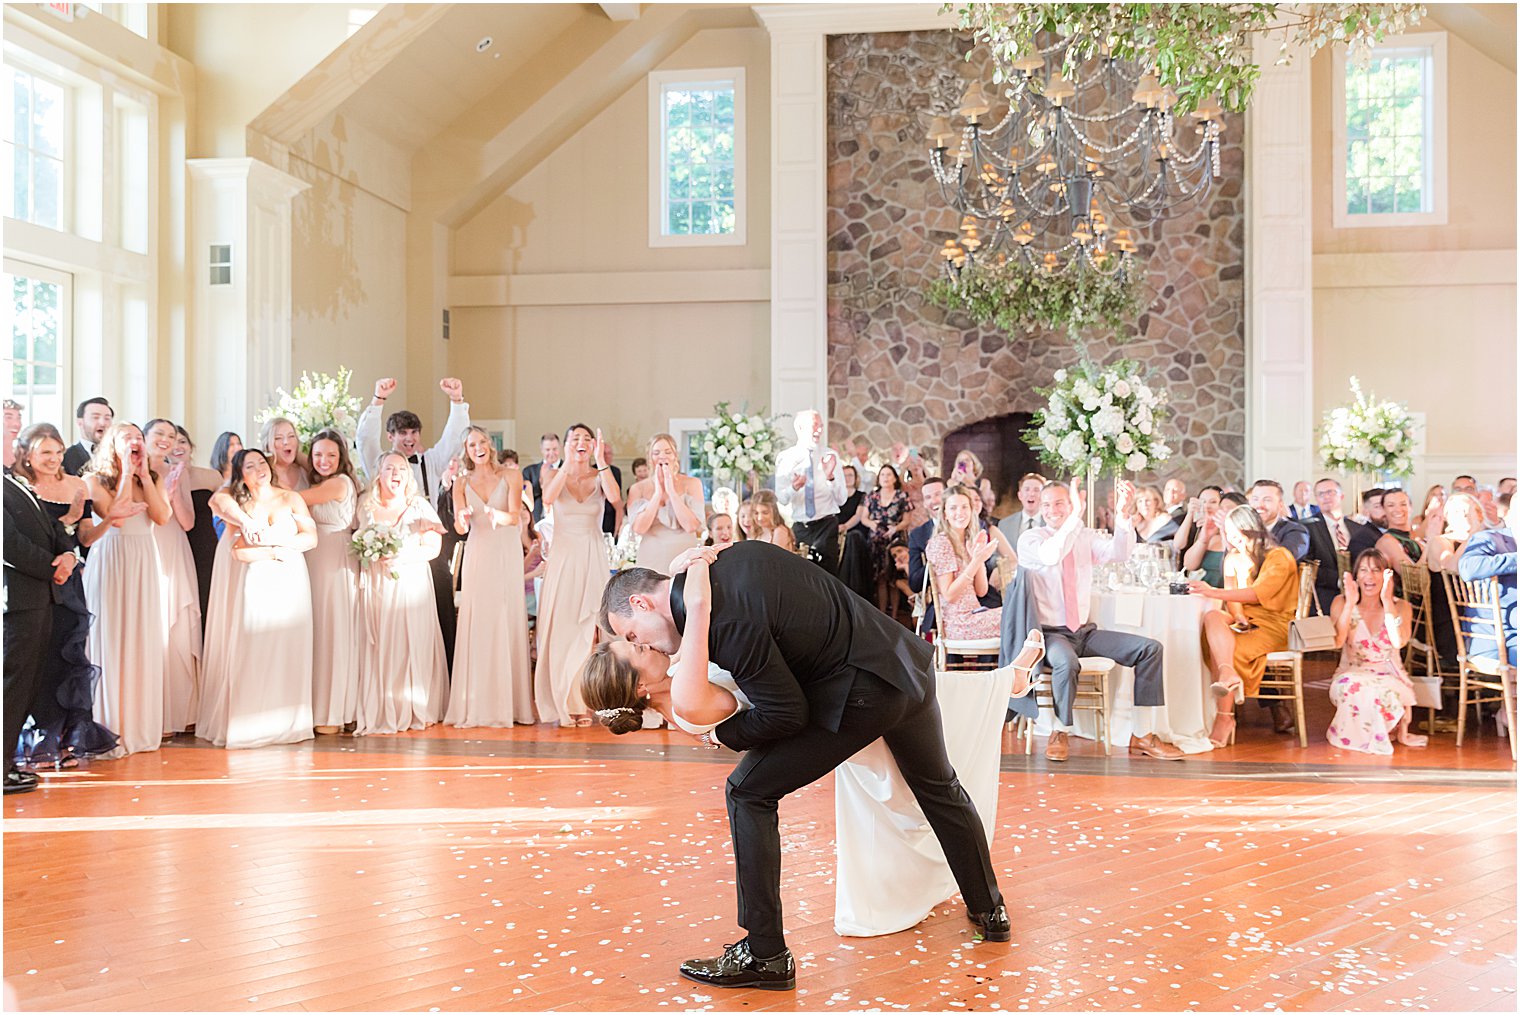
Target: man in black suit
x=92, y=420
x=918, y=544
x=550, y=450
x=826, y=674
x=39, y=558
x=1266, y=497
x=1329, y=531
x=12, y=430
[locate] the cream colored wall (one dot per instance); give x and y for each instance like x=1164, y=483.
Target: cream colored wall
x=246, y=56
x=628, y=368
x=1427, y=315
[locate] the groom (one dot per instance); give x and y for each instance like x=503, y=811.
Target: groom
x=826, y=675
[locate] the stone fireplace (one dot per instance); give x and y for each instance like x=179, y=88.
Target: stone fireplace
x=901, y=369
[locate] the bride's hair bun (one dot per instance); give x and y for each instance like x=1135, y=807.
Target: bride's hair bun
x=626, y=720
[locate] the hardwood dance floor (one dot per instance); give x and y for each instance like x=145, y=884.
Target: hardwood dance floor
x=537, y=869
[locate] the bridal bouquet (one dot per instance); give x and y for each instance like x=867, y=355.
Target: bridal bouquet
x=736, y=443
x=374, y=543
x=1106, y=418
x=319, y=402
x=1368, y=436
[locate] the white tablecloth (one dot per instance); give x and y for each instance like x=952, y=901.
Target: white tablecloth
x=891, y=871
x=1177, y=623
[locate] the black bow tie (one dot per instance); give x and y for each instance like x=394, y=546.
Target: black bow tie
x=414, y=459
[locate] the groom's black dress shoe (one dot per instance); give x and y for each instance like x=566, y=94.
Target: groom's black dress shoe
x=736, y=967
x=992, y=926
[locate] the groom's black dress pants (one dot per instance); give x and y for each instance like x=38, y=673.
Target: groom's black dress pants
x=913, y=733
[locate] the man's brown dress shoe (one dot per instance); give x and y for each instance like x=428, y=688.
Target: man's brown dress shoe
x=1154, y=747
x=1055, y=748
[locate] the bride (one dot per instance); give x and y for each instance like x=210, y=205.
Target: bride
x=881, y=834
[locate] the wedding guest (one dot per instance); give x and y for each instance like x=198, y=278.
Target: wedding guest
x=177, y=584
x=854, y=540
x=332, y=498
x=403, y=428
x=258, y=692
x=1489, y=503
x=854, y=497
x=1174, y=498
x=281, y=443
x=12, y=429
x=1027, y=517
x=1331, y=534
x=1301, y=510
x=859, y=460
x=1491, y=554
x=967, y=470
x=725, y=502
x=550, y=450
x=918, y=544
x=1153, y=523
x=1372, y=509
x=958, y=556
x=1058, y=560
x=1450, y=525
x=612, y=514
x=744, y=522
x=1266, y=497
x=573, y=495
x=640, y=469
x=1199, y=542
x=1507, y=486
x=810, y=481
x=92, y=419
x=899, y=554
x=1372, y=695
x=770, y=527
x=1397, y=544
x=63, y=728
x=227, y=445
x=666, y=508
x=1435, y=497
x=448, y=566
x=1464, y=484
x=121, y=585
x=720, y=530
x=403, y=680
x=1260, y=596
x=205, y=533
x=492, y=683
x=911, y=466
x=884, y=515
x=39, y=561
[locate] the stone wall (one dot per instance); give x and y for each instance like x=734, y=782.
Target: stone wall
x=901, y=369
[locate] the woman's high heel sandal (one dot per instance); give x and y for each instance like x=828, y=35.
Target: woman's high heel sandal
x=1223, y=733
x=1227, y=685
x=1025, y=663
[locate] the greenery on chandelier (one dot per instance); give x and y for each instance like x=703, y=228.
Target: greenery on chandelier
x=1197, y=49
x=1018, y=296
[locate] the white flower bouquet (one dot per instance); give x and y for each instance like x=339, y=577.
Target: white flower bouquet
x=737, y=443
x=1103, y=418
x=1368, y=436
x=319, y=402
x=374, y=543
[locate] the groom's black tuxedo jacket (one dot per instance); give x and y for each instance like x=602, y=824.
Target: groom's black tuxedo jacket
x=795, y=637
x=33, y=540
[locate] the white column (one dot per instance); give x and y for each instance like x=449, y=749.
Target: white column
x=239, y=347
x=1279, y=277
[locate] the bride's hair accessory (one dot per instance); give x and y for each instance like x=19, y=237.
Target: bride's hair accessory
x=612, y=713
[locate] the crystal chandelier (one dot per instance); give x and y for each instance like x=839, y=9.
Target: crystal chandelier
x=1087, y=150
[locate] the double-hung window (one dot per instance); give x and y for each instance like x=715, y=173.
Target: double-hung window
x=696, y=162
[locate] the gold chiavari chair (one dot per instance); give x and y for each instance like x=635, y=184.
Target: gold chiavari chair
x=1283, y=679
x=1476, y=615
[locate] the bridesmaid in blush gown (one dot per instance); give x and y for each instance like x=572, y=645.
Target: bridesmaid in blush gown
x=403, y=680
x=178, y=587
x=666, y=508
x=282, y=444
x=574, y=495
x=262, y=681
x=121, y=585
x=493, y=684
x=332, y=499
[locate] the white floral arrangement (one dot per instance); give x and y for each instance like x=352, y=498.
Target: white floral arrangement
x=623, y=551
x=1105, y=418
x=319, y=402
x=1368, y=436
x=737, y=443
x=374, y=543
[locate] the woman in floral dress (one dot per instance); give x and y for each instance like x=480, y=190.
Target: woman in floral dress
x=1370, y=691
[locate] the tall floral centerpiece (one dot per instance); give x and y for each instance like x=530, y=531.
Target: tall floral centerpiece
x=1100, y=421
x=1367, y=437
x=318, y=402
x=738, y=445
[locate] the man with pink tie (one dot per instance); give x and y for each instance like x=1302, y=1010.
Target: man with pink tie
x=1058, y=558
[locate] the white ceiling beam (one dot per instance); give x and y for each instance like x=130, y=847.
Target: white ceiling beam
x=620, y=12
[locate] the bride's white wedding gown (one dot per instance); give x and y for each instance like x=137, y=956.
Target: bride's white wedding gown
x=881, y=837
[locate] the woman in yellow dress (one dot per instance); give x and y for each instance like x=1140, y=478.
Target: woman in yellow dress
x=1260, y=595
